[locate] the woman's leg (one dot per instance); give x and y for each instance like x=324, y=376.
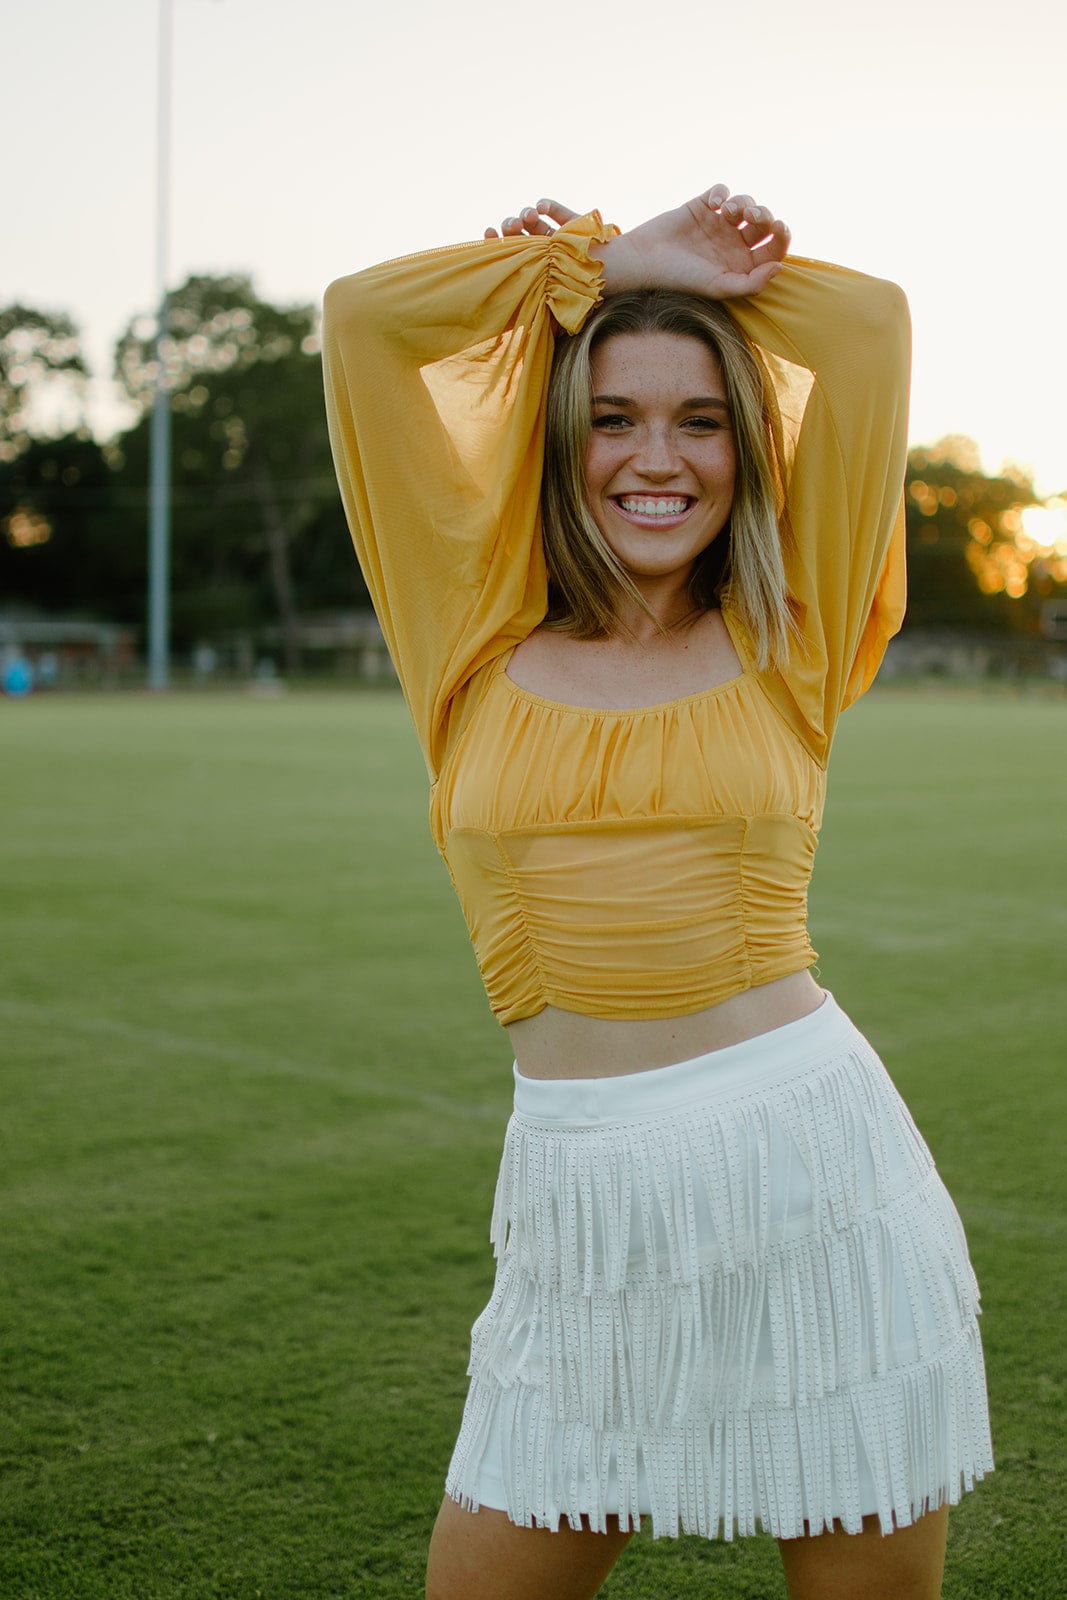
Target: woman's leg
x=483, y=1556
x=905, y=1565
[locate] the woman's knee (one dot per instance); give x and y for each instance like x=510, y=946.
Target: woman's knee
x=905, y=1565
x=483, y=1555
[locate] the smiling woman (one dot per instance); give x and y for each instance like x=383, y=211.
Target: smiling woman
x=731, y=1291
x=694, y=398
x=661, y=452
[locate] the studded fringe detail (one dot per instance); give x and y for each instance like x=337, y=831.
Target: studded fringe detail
x=753, y=1308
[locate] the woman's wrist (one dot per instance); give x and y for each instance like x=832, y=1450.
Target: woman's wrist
x=621, y=266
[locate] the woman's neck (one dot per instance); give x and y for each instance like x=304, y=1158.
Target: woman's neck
x=670, y=611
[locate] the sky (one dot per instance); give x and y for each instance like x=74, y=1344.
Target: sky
x=923, y=142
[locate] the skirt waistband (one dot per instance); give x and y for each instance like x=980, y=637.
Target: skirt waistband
x=752, y=1063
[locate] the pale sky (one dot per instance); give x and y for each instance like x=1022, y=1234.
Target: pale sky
x=924, y=142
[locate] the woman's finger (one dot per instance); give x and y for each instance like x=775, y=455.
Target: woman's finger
x=775, y=246
x=756, y=224
x=533, y=222
x=760, y=277
x=557, y=211
x=735, y=209
x=530, y=221
x=716, y=195
x=735, y=285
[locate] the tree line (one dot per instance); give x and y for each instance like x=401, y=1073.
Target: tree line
x=258, y=535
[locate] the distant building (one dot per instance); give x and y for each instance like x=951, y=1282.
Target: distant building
x=64, y=650
x=349, y=643
x=956, y=653
x=1054, y=620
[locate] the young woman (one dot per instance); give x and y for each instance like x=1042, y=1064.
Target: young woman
x=629, y=509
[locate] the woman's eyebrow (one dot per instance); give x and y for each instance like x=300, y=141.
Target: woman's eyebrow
x=701, y=402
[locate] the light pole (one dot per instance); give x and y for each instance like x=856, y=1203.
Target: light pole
x=159, y=470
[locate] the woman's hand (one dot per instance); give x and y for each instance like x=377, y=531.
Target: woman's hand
x=720, y=245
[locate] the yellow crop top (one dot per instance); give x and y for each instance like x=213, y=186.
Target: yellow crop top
x=639, y=863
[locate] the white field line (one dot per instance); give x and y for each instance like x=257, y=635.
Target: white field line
x=180, y=1044
x=1000, y=1219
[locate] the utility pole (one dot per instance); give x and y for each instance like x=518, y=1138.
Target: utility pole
x=159, y=472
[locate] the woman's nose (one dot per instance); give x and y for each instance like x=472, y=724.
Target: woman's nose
x=656, y=455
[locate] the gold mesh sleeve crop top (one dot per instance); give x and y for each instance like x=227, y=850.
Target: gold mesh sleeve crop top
x=641, y=863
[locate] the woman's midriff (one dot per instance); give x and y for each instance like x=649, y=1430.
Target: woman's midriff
x=564, y=1044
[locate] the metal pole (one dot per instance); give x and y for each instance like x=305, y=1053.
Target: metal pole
x=159, y=473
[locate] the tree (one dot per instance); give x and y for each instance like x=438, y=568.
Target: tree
x=60, y=548
x=252, y=469
x=969, y=562
x=52, y=475
x=42, y=377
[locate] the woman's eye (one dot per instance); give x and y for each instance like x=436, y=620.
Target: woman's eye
x=611, y=423
x=703, y=424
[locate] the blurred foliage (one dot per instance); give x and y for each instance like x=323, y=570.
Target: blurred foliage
x=970, y=562
x=63, y=547
x=214, y=326
x=251, y=464
x=257, y=531
x=42, y=377
x=258, y=535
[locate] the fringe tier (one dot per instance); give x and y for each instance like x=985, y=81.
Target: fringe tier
x=752, y=1308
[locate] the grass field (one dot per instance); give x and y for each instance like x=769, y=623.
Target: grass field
x=248, y=1068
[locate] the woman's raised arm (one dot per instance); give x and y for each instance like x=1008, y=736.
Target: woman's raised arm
x=436, y=368
x=836, y=347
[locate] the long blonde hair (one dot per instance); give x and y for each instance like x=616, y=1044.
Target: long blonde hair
x=744, y=563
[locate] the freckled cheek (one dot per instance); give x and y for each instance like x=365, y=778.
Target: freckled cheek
x=722, y=471
x=601, y=464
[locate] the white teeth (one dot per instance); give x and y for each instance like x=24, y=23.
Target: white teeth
x=639, y=506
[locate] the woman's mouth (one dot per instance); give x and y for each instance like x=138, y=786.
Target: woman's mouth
x=654, y=510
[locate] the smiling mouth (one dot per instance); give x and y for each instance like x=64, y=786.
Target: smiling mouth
x=651, y=508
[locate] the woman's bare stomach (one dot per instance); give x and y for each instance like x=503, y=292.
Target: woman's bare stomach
x=563, y=1044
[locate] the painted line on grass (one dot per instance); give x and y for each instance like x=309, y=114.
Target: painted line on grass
x=1000, y=1219
x=1009, y=1221
x=212, y=1050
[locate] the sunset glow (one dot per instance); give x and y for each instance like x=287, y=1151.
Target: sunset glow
x=1045, y=527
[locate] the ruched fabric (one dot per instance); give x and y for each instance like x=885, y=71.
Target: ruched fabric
x=613, y=863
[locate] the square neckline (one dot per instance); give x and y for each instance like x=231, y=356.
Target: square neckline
x=630, y=711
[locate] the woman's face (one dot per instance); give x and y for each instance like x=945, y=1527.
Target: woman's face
x=660, y=466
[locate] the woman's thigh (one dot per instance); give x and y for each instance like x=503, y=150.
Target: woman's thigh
x=905, y=1565
x=483, y=1556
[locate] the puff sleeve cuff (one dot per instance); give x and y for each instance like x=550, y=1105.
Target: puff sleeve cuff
x=572, y=271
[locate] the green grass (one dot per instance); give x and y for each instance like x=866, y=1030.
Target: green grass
x=248, y=1070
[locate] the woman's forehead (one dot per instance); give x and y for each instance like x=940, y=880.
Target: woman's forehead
x=636, y=363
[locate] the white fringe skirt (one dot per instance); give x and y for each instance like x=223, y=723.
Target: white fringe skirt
x=730, y=1293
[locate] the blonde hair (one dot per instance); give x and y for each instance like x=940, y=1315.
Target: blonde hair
x=744, y=563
